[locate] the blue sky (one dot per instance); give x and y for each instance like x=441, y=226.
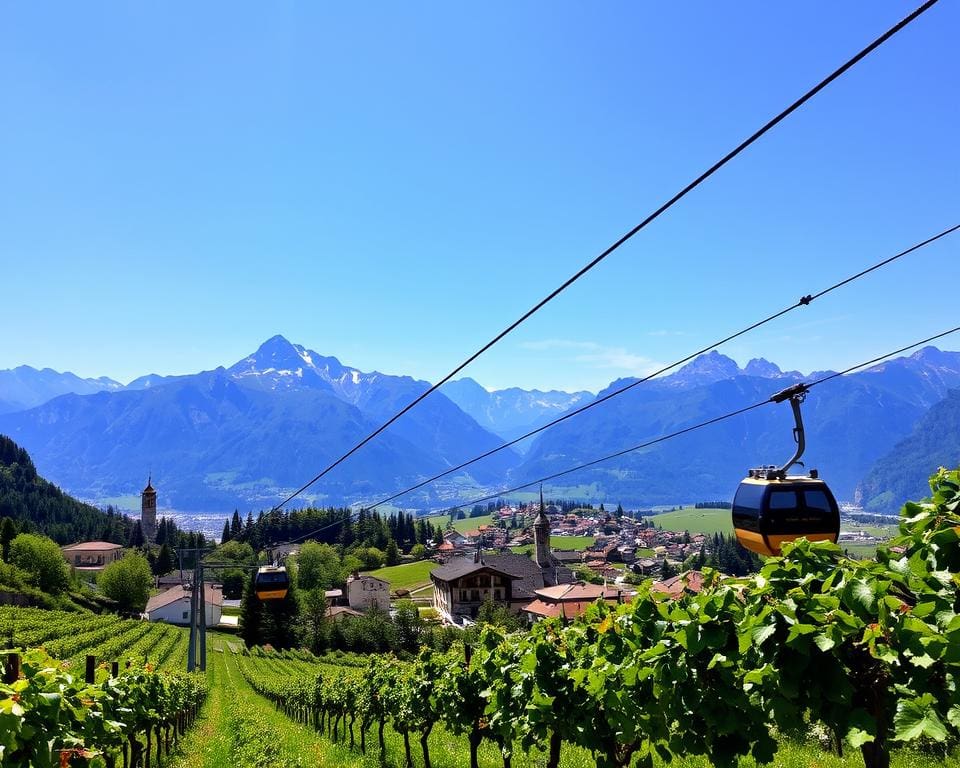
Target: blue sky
x=393, y=185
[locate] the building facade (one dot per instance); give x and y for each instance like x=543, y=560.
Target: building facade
x=463, y=585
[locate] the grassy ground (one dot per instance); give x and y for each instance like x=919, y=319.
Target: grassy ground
x=864, y=551
x=695, y=520
x=208, y=744
x=467, y=524
x=406, y=576
x=571, y=542
x=472, y=523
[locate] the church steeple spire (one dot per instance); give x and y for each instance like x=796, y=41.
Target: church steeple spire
x=541, y=536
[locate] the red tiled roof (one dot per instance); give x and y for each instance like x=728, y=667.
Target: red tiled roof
x=577, y=592
x=88, y=546
x=566, y=609
x=675, y=586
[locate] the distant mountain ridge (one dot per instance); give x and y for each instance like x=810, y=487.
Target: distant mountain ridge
x=25, y=387
x=511, y=412
x=247, y=434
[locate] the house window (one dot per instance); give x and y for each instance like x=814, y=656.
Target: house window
x=496, y=594
x=186, y=614
x=463, y=595
x=475, y=595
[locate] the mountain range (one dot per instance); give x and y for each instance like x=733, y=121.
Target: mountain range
x=511, y=412
x=25, y=387
x=850, y=422
x=246, y=435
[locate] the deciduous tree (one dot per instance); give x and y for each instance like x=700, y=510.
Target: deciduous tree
x=128, y=581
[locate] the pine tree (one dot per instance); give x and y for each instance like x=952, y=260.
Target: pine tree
x=136, y=536
x=393, y=553
x=666, y=571
x=236, y=527
x=8, y=532
x=164, y=562
x=225, y=536
x=251, y=615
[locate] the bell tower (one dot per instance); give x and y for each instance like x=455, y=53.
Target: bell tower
x=541, y=537
x=148, y=512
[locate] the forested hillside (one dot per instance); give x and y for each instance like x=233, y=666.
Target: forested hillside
x=37, y=505
x=902, y=473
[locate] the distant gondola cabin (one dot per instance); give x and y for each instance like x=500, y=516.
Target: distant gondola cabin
x=271, y=582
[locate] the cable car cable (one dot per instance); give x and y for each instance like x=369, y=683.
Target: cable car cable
x=624, y=238
x=662, y=438
x=802, y=302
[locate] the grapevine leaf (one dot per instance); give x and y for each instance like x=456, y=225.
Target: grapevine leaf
x=762, y=633
x=823, y=642
x=857, y=737
x=858, y=594
x=861, y=729
x=953, y=716
x=924, y=660
x=917, y=718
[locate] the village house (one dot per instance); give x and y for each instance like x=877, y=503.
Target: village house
x=92, y=555
x=173, y=606
x=334, y=597
x=456, y=538
x=568, y=556
x=365, y=592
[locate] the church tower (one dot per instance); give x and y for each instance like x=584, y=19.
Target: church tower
x=148, y=512
x=541, y=537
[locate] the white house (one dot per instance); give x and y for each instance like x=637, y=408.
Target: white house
x=366, y=592
x=173, y=606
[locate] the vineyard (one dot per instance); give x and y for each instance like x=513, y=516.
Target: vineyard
x=69, y=637
x=51, y=716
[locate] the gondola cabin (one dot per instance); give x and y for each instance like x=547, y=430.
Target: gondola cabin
x=271, y=582
x=769, y=510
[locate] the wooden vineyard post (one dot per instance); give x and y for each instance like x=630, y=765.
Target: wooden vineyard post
x=11, y=672
x=114, y=669
x=91, y=672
